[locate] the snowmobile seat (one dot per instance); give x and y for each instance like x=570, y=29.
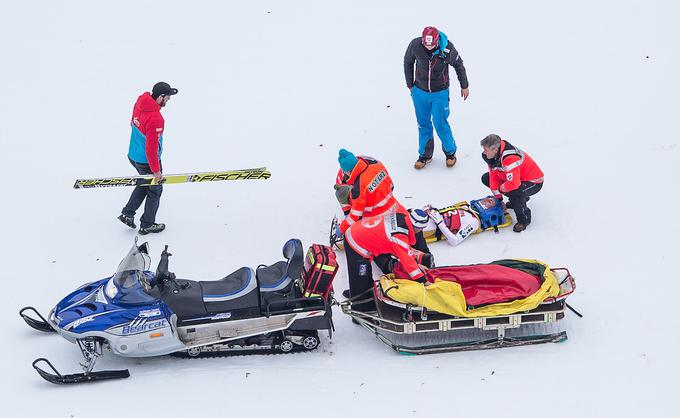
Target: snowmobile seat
x=236, y=294
x=184, y=299
x=277, y=280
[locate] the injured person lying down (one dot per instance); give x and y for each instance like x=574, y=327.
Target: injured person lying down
x=453, y=223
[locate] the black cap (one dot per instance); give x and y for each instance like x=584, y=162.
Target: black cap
x=163, y=89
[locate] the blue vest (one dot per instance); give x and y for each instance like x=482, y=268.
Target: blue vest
x=137, y=150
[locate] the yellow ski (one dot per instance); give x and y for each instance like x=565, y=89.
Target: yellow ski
x=148, y=180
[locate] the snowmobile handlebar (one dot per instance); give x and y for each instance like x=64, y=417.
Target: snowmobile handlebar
x=162, y=272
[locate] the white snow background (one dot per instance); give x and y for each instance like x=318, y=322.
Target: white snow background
x=589, y=88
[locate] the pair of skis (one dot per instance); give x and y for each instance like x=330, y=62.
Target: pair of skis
x=246, y=174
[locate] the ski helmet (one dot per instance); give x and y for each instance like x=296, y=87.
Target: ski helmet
x=430, y=36
x=419, y=218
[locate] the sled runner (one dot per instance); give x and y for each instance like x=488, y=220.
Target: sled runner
x=136, y=313
x=513, y=319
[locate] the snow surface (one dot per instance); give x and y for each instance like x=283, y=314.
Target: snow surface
x=588, y=88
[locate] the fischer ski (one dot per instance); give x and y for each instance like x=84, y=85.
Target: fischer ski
x=148, y=180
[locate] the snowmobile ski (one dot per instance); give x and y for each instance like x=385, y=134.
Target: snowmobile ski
x=39, y=324
x=63, y=379
x=148, y=180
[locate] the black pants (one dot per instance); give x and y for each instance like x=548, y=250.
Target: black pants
x=152, y=194
x=386, y=261
x=518, y=198
x=360, y=275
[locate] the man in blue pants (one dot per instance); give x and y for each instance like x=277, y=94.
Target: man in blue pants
x=426, y=67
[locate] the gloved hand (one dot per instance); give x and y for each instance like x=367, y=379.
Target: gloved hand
x=342, y=193
x=338, y=234
x=436, y=216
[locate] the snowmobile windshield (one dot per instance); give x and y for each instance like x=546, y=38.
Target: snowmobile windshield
x=131, y=269
x=131, y=282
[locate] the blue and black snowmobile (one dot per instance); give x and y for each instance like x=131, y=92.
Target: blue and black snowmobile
x=136, y=313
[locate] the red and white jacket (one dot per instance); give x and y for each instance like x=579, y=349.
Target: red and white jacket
x=510, y=168
x=389, y=233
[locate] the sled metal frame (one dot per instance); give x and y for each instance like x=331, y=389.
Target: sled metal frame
x=392, y=317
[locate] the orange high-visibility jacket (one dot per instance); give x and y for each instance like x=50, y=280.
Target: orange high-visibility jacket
x=371, y=193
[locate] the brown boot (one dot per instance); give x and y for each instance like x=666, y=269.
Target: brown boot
x=421, y=162
x=450, y=160
x=519, y=227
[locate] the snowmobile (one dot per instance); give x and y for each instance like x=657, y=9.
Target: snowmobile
x=505, y=303
x=136, y=313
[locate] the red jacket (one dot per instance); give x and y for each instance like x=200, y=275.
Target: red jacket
x=510, y=168
x=389, y=233
x=371, y=193
x=146, y=139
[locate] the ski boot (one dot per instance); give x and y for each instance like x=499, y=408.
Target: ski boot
x=421, y=162
x=450, y=160
x=127, y=220
x=152, y=229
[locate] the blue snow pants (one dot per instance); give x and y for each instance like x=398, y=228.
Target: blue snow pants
x=433, y=107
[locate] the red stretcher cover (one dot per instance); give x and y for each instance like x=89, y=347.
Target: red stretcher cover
x=484, y=284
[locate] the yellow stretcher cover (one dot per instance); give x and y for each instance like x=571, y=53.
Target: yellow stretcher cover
x=447, y=296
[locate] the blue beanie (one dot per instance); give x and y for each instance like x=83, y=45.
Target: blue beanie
x=347, y=160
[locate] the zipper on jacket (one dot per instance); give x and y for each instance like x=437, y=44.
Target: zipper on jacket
x=429, y=75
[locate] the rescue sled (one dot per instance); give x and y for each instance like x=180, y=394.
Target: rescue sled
x=472, y=308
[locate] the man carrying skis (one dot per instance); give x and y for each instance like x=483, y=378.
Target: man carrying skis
x=146, y=147
x=432, y=53
x=513, y=173
x=390, y=233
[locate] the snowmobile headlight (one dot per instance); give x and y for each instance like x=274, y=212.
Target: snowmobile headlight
x=111, y=290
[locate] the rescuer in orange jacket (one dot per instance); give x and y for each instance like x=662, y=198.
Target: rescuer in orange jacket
x=513, y=173
x=370, y=184
x=390, y=233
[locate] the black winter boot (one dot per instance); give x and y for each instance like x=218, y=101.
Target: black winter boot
x=128, y=221
x=155, y=228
